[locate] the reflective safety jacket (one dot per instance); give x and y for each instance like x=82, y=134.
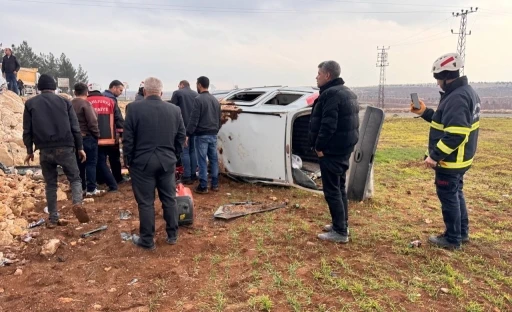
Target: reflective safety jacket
x=105, y=108
x=454, y=127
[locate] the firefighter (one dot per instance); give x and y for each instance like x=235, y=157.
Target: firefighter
x=105, y=109
x=453, y=137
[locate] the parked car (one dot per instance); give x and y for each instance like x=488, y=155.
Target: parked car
x=265, y=139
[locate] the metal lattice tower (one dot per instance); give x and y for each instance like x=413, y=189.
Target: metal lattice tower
x=382, y=62
x=461, y=45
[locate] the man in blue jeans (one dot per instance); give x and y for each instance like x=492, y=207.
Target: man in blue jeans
x=204, y=125
x=184, y=98
x=88, y=121
x=10, y=68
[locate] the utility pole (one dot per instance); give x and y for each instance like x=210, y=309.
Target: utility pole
x=382, y=62
x=461, y=45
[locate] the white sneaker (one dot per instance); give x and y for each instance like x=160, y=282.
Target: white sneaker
x=96, y=192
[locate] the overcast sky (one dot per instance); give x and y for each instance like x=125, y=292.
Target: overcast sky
x=253, y=43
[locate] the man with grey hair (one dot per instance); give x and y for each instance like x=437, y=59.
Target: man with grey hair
x=333, y=133
x=153, y=135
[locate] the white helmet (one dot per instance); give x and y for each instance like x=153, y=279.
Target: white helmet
x=94, y=87
x=449, y=62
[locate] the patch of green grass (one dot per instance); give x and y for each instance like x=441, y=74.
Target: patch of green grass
x=261, y=303
x=399, y=154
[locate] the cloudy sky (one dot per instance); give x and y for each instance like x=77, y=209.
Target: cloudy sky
x=260, y=42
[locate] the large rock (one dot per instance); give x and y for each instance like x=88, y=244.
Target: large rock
x=5, y=238
x=50, y=248
x=61, y=195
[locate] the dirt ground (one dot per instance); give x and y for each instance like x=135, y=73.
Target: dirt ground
x=273, y=261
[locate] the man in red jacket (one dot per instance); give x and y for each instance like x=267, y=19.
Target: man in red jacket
x=105, y=109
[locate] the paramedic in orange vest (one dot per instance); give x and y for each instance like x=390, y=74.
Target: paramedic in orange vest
x=105, y=109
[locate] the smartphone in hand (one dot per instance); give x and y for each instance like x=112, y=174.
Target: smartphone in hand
x=415, y=100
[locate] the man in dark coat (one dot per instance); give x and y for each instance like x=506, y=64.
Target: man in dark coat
x=50, y=124
x=185, y=99
x=334, y=131
x=10, y=69
x=152, y=159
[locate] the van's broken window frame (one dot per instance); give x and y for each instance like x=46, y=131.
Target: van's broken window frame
x=233, y=98
x=300, y=95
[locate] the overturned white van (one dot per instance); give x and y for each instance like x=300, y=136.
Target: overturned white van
x=264, y=139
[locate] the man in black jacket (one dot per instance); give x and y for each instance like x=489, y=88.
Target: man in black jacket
x=153, y=135
x=453, y=139
x=204, y=125
x=334, y=131
x=10, y=69
x=184, y=98
x=50, y=123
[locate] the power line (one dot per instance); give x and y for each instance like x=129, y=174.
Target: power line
x=160, y=7
x=422, y=31
x=434, y=37
x=382, y=62
x=461, y=45
x=390, y=3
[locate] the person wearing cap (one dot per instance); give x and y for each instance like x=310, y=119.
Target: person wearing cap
x=50, y=124
x=453, y=138
x=10, y=68
x=105, y=109
x=115, y=89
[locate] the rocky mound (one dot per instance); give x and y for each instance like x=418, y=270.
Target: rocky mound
x=12, y=149
x=18, y=198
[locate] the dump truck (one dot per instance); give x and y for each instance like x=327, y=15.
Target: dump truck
x=29, y=77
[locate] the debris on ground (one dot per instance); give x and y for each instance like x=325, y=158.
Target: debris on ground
x=125, y=215
x=90, y=233
x=239, y=209
x=415, y=244
x=50, y=248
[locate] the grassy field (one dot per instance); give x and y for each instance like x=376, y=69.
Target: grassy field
x=290, y=271
x=274, y=262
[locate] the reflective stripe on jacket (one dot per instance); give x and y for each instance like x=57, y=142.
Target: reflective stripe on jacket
x=454, y=127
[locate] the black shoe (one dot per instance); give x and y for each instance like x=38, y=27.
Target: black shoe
x=187, y=181
x=465, y=239
x=200, y=190
x=171, y=241
x=441, y=242
x=136, y=241
x=215, y=188
x=113, y=191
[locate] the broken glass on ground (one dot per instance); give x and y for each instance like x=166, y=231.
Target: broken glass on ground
x=126, y=236
x=239, y=209
x=125, y=215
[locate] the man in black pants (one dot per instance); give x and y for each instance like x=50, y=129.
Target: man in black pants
x=50, y=123
x=334, y=131
x=115, y=89
x=154, y=134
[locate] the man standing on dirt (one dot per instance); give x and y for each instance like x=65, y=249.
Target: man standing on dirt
x=204, y=124
x=10, y=69
x=184, y=98
x=88, y=121
x=50, y=123
x=107, y=117
x=152, y=159
x=453, y=139
x=115, y=89
x=333, y=133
